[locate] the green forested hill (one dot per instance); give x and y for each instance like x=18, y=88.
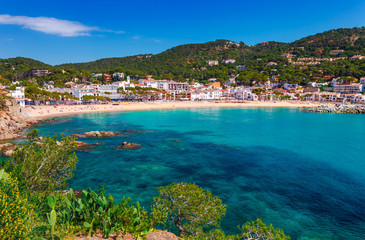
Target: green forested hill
x=352, y=40
x=181, y=59
x=189, y=61
x=21, y=64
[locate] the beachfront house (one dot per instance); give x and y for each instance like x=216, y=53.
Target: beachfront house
x=244, y=94
x=178, y=87
x=110, y=91
x=348, y=88
x=18, y=95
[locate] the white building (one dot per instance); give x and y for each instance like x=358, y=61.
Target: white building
x=317, y=85
x=213, y=94
x=96, y=75
x=118, y=75
x=18, y=95
x=178, y=87
x=110, y=91
x=78, y=91
x=37, y=73
x=226, y=61
x=348, y=88
x=212, y=63
x=289, y=86
x=244, y=94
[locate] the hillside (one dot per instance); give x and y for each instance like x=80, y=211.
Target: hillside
x=181, y=60
x=339, y=38
x=189, y=61
x=162, y=62
x=21, y=64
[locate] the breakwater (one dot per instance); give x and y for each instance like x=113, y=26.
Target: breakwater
x=337, y=109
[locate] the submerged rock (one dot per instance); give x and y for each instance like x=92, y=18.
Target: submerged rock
x=82, y=146
x=132, y=131
x=96, y=134
x=128, y=145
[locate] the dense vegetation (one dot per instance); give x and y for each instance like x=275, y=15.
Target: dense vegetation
x=189, y=62
x=35, y=205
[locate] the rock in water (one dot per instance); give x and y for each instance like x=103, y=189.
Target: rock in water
x=82, y=146
x=128, y=145
x=96, y=134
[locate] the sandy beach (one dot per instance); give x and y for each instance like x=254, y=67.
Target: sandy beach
x=60, y=110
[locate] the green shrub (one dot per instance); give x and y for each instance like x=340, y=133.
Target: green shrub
x=260, y=231
x=43, y=163
x=190, y=208
x=16, y=214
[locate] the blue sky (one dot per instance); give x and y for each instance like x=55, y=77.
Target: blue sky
x=58, y=32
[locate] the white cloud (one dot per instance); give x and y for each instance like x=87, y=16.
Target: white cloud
x=63, y=28
x=136, y=37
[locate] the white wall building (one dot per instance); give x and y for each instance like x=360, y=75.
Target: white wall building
x=348, y=88
x=18, y=95
x=226, y=61
x=289, y=86
x=212, y=63
x=244, y=94
x=118, y=75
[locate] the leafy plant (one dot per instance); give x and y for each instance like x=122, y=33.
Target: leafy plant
x=52, y=216
x=95, y=212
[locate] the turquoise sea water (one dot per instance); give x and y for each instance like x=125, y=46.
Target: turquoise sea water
x=303, y=172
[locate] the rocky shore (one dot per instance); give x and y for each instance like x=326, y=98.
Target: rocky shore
x=338, y=109
x=11, y=124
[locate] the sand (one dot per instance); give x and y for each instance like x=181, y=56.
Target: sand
x=60, y=110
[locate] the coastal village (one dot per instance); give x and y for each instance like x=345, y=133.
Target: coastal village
x=118, y=87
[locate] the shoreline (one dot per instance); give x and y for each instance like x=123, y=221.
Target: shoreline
x=41, y=112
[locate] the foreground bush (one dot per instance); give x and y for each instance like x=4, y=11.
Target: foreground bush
x=16, y=213
x=259, y=231
x=44, y=164
x=190, y=208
